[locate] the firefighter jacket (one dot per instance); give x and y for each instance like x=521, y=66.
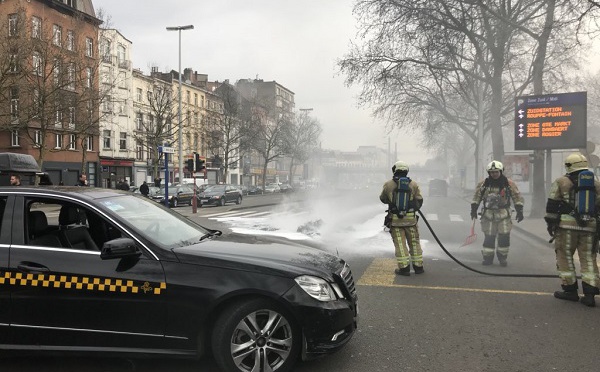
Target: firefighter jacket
x=496, y=196
x=388, y=196
x=561, y=205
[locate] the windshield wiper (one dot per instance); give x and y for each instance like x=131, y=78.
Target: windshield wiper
x=210, y=234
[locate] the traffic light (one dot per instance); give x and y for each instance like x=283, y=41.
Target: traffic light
x=190, y=165
x=199, y=163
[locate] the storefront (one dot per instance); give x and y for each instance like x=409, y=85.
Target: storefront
x=113, y=170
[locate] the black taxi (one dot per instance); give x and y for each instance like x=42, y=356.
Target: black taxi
x=95, y=270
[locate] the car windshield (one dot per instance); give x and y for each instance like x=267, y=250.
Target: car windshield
x=216, y=188
x=163, y=227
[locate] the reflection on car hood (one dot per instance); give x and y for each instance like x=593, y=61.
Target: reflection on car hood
x=212, y=193
x=261, y=254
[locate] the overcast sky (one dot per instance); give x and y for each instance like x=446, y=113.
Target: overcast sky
x=295, y=43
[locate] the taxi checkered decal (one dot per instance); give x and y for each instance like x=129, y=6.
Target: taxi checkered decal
x=82, y=283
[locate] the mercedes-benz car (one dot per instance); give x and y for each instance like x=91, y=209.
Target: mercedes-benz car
x=97, y=270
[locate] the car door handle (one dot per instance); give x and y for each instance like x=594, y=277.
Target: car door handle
x=29, y=267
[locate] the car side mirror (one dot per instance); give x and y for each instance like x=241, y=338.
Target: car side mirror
x=119, y=248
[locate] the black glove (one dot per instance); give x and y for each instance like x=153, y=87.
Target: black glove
x=474, y=208
x=551, y=225
x=551, y=229
x=519, y=216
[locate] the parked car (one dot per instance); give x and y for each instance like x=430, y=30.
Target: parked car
x=152, y=190
x=167, y=286
x=270, y=189
x=254, y=190
x=286, y=187
x=438, y=187
x=243, y=189
x=178, y=195
x=220, y=194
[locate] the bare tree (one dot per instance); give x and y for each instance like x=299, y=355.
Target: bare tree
x=300, y=139
x=51, y=83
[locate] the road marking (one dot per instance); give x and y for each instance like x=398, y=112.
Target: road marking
x=456, y=218
x=431, y=217
x=225, y=213
x=381, y=274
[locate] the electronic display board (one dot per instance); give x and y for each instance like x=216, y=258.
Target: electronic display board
x=551, y=121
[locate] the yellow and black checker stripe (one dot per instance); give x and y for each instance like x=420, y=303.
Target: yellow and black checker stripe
x=84, y=283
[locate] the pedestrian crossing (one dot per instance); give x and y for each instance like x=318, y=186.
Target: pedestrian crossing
x=270, y=215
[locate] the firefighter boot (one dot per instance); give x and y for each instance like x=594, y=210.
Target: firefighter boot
x=569, y=293
x=418, y=269
x=588, y=294
x=405, y=271
x=487, y=260
x=502, y=259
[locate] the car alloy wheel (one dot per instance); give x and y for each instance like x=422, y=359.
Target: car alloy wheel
x=222, y=202
x=255, y=336
x=238, y=200
x=174, y=203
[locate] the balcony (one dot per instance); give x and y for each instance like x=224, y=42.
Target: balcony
x=124, y=63
x=107, y=58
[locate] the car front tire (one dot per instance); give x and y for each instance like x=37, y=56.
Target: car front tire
x=238, y=200
x=255, y=335
x=174, y=203
x=222, y=202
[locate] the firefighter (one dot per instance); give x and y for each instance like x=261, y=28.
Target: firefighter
x=572, y=225
x=496, y=193
x=403, y=197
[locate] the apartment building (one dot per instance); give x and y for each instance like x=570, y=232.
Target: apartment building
x=50, y=106
x=117, y=145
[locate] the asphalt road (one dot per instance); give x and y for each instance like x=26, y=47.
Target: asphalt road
x=448, y=319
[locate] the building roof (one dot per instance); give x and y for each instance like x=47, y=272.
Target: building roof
x=86, y=7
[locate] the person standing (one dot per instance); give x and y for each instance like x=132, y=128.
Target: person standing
x=144, y=189
x=573, y=229
x=15, y=180
x=403, y=197
x=496, y=193
x=82, y=180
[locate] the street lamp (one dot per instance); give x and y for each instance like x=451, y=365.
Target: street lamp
x=179, y=28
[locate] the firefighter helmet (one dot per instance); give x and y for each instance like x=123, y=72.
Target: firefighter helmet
x=495, y=165
x=575, y=162
x=400, y=166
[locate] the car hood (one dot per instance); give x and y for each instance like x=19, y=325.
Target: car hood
x=261, y=254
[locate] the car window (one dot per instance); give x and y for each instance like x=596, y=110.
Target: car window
x=58, y=223
x=2, y=208
x=163, y=227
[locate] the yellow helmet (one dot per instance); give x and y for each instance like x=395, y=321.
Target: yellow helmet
x=575, y=162
x=495, y=165
x=400, y=166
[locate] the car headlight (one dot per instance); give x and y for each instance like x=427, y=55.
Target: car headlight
x=316, y=287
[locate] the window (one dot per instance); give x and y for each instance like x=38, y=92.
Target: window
x=14, y=103
x=13, y=24
x=139, y=121
x=57, y=35
x=89, y=143
x=106, y=104
x=37, y=138
x=36, y=28
x=71, y=76
x=13, y=62
x=72, y=142
x=123, y=107
x=71, y=117
x=122, y=80
x=37, y=102
x=123, y=141
x=187, y=95
x=195, y=99
x=121, y=56
x=139, y=150
x=59, y=141
x=106, y=139
x=56, y=72
x=37, y=64
x=89, y=47
x=139, y=94
x=70, y=40
x=58, y=117
x=106, y=47
x=14, y=138
x=88, y=77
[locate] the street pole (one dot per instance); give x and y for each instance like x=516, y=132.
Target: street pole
x=180, y=127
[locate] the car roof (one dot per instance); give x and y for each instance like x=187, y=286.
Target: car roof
x=18, y=163
x=81, y=193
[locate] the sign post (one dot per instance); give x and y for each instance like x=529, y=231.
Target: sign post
x=166, y=150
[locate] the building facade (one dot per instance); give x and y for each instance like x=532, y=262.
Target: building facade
x=50, y=106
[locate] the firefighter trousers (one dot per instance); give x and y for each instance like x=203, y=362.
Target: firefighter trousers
x=407, y=246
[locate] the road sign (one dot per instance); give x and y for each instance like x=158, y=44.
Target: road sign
x=166, y=150
x=552, y=121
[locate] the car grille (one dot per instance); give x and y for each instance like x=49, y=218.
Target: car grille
x=346, y=276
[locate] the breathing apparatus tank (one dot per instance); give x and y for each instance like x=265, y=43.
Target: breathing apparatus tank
x=585, y=196
x=402, y=196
